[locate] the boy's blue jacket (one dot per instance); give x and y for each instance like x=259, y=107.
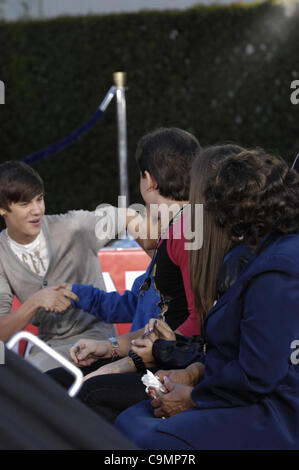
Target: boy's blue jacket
x=112, y=307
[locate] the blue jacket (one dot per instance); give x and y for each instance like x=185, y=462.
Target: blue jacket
x=130, y=307
x=249, y=397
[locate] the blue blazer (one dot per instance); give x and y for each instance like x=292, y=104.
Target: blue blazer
x=249, y=397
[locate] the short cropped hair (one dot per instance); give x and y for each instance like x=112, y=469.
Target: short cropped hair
x=18, y=183
x=167, y=154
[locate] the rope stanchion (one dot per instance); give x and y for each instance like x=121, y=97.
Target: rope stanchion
x=63, y=143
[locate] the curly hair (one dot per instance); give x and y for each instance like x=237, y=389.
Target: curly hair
x=254, y=194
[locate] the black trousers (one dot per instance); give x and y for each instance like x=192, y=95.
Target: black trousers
x=108, y=395
x=37, y=414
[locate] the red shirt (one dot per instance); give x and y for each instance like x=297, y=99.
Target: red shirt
x=179, y=258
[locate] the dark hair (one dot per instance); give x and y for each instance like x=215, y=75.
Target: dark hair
x=247, y=194
x=206, y=262
x=18, y=182
x=167, y=154
x=254, y=194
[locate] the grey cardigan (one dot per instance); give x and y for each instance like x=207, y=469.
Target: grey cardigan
x=73, y=247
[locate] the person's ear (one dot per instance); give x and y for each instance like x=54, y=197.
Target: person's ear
x=2, y=212
x=151, y=183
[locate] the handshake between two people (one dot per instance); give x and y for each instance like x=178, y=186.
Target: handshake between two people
x=55, y=299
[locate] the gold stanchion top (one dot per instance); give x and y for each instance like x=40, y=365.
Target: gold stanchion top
x=119, y=79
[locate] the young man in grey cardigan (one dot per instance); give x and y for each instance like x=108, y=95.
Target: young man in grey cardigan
x=39, y=251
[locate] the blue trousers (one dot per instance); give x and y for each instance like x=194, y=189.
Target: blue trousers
x=139, y=425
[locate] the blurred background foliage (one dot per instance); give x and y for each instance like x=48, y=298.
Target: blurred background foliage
x=223, y=73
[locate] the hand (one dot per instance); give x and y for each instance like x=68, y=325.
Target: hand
x=179, y=376
x=189, y=376
x=53, y=300
x=144, y=347
x=64, y=285
x=160, y=329
x=121, y=366
x=88, y=351
x=176, y=400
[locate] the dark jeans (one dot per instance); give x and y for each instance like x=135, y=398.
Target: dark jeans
x=108, y=395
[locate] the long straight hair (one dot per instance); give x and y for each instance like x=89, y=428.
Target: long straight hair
x=205, y=263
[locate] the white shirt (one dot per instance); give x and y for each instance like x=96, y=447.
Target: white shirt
x=34, y=255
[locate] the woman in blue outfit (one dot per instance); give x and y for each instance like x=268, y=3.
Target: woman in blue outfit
x=244, y=394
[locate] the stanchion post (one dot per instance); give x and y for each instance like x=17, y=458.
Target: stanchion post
x=119, y=80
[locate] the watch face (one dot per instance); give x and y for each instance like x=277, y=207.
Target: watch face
x=114, y=342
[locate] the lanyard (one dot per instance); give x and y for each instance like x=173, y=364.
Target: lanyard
x=147, y=282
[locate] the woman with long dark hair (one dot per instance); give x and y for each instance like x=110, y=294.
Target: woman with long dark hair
x=244, y=393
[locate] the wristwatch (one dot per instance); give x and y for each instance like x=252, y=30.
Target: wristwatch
x=139, y=364
x=115, y=346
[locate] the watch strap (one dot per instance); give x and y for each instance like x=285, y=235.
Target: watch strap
x=138, y=362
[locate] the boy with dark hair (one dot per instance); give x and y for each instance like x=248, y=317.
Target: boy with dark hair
x=36, y=253
x=165, y=155
x=169, y=152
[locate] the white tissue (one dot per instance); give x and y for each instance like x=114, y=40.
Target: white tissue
x=151, y=381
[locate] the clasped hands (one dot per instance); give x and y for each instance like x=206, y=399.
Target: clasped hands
x=155, y=329
x=177, y=398
x=178, y=383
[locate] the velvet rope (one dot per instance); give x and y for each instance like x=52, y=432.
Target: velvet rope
x=61, y=144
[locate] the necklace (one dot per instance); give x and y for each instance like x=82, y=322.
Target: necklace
x=36, y=260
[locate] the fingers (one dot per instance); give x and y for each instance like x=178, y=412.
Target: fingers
x=60, y=286
x=149, y=328
x=62, y=301
x=168, y=384
x=156, y=402
x=75, y=349
x=163, y=328
x=152, y=393
x=61, y=305
x=70, y=295
x=159, y=412
x=80, y=353
x=161, y=374
x=156, y=326
x=141, y=343
x=66, y=290
x=142, y=347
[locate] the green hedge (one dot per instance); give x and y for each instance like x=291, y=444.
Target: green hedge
x=224, y=73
